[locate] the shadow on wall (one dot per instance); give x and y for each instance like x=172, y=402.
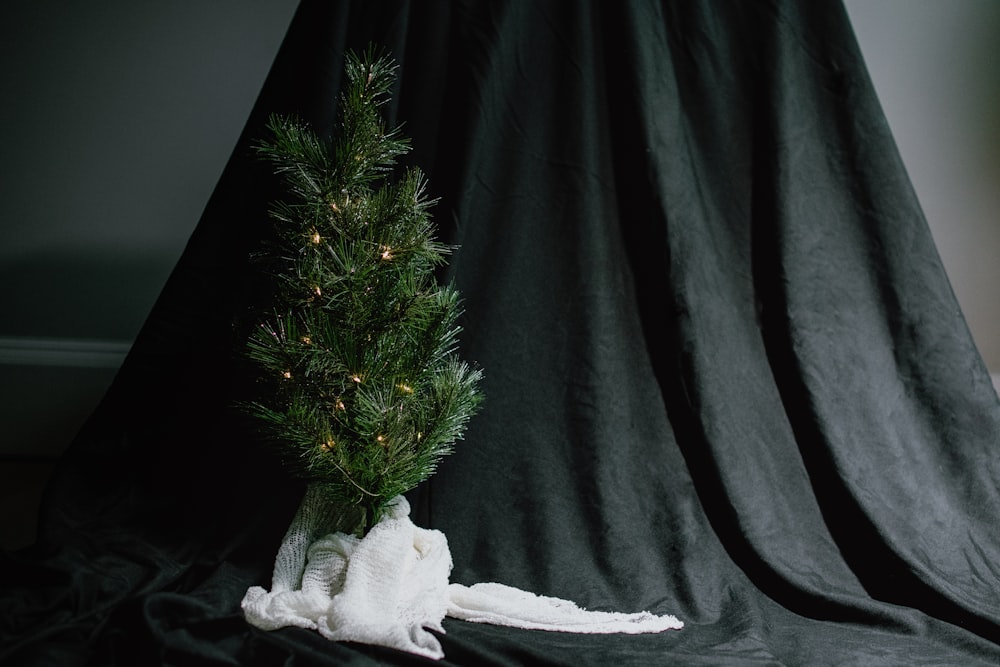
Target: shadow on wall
x=984, y=84
x=80, y=296
x=78, y=316
x=982, y=117
x=936, y=68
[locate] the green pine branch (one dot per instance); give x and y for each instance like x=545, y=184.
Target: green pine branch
x=360, y=383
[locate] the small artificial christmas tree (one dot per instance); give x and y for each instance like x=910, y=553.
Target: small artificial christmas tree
x=364, y=393
x=361, y=387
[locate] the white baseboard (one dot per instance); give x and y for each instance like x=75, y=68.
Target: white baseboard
x=67, y=352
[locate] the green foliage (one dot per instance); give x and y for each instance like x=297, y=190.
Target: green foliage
x=360, y=383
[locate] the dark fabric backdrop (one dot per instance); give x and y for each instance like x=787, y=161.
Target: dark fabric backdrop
x=726, y=375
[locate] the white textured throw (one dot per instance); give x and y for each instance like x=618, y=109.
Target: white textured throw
x=391, y=588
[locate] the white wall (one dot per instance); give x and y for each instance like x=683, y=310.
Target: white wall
x=936, y=67
x=117, y=119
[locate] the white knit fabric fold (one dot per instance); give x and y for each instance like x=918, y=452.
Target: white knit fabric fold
x=391, y=588
x=499, y=604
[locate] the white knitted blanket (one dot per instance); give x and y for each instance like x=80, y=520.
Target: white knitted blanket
x=391, y=587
